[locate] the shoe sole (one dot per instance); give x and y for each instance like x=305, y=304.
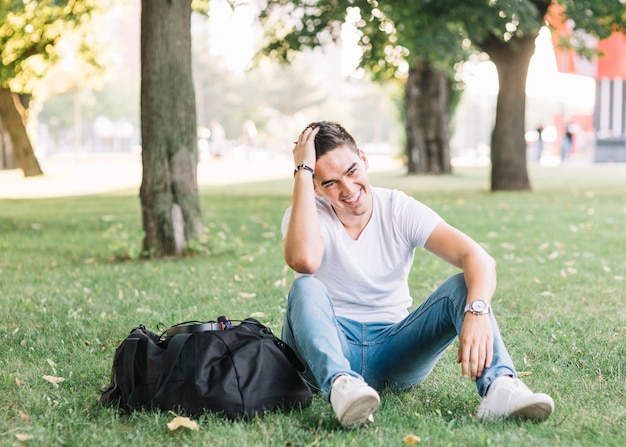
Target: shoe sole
x=359, y=412
x=536, y=412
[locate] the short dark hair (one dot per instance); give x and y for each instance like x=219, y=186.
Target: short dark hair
x=330, y=136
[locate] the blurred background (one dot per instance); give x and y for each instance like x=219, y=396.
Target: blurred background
x=254, y=111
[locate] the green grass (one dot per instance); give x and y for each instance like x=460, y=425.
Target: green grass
x=67, y=300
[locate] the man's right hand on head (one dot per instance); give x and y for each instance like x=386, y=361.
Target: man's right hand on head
x=304, y=150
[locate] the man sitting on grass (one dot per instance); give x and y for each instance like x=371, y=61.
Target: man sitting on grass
x=352, y=246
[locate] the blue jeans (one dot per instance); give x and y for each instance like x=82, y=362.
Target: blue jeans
x=395, y=355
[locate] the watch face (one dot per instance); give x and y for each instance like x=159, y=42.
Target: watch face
x=479, y=306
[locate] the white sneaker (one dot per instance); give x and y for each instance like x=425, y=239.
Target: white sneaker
x=353, y=401
x=508, y=397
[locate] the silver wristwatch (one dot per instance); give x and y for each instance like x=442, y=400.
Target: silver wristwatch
x=478, y=307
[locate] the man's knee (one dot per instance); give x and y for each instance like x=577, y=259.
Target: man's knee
x=306, y=286
x=459, y=282
x=307, y=294
x=305, y=282
x=456, y=287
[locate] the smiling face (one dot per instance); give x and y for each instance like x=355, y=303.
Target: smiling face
x=341, y=178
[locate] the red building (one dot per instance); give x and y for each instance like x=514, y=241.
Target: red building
x=609, y=71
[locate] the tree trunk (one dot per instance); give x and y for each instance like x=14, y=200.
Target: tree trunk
x=508, y=144
x=169, y=189
x=12, y=115
x=427, y=103
x=7, y=157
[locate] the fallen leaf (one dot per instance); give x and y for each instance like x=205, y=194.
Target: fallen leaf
x=247, y=294
x=411, y=439
x=23, y=437
x=53, y=379
x=258, y=315
x=18, y=382
x=24, y=416
x=180, y=421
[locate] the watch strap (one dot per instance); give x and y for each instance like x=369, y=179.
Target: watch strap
x=305, y=167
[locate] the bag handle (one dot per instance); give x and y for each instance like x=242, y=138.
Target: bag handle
x=174, y=348
x=192, y=327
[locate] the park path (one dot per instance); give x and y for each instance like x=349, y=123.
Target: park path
x=81, y=174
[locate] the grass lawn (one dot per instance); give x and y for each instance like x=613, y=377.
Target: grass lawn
x=68, y=297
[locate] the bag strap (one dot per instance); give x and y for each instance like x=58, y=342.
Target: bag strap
x=174, y=348
x=263, y=331
x=126, y=382
x=290, y=354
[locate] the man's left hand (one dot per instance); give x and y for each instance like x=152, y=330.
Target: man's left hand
x=475, y=345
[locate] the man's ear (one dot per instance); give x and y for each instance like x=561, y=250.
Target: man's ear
x=363, y=157
x=317, y=191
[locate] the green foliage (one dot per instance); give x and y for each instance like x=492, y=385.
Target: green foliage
x=441, y=32
x=598, y=18
x=503, y=20
x=124, y=244
x=66, y=305
x=30, y=31
x=409, y=32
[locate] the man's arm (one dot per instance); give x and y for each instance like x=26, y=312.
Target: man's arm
x=479, y=268
x=303, y=242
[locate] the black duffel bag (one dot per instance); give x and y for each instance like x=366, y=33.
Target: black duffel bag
x=191, y=368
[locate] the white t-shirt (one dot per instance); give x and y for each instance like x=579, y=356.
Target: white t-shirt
x=368, y=278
